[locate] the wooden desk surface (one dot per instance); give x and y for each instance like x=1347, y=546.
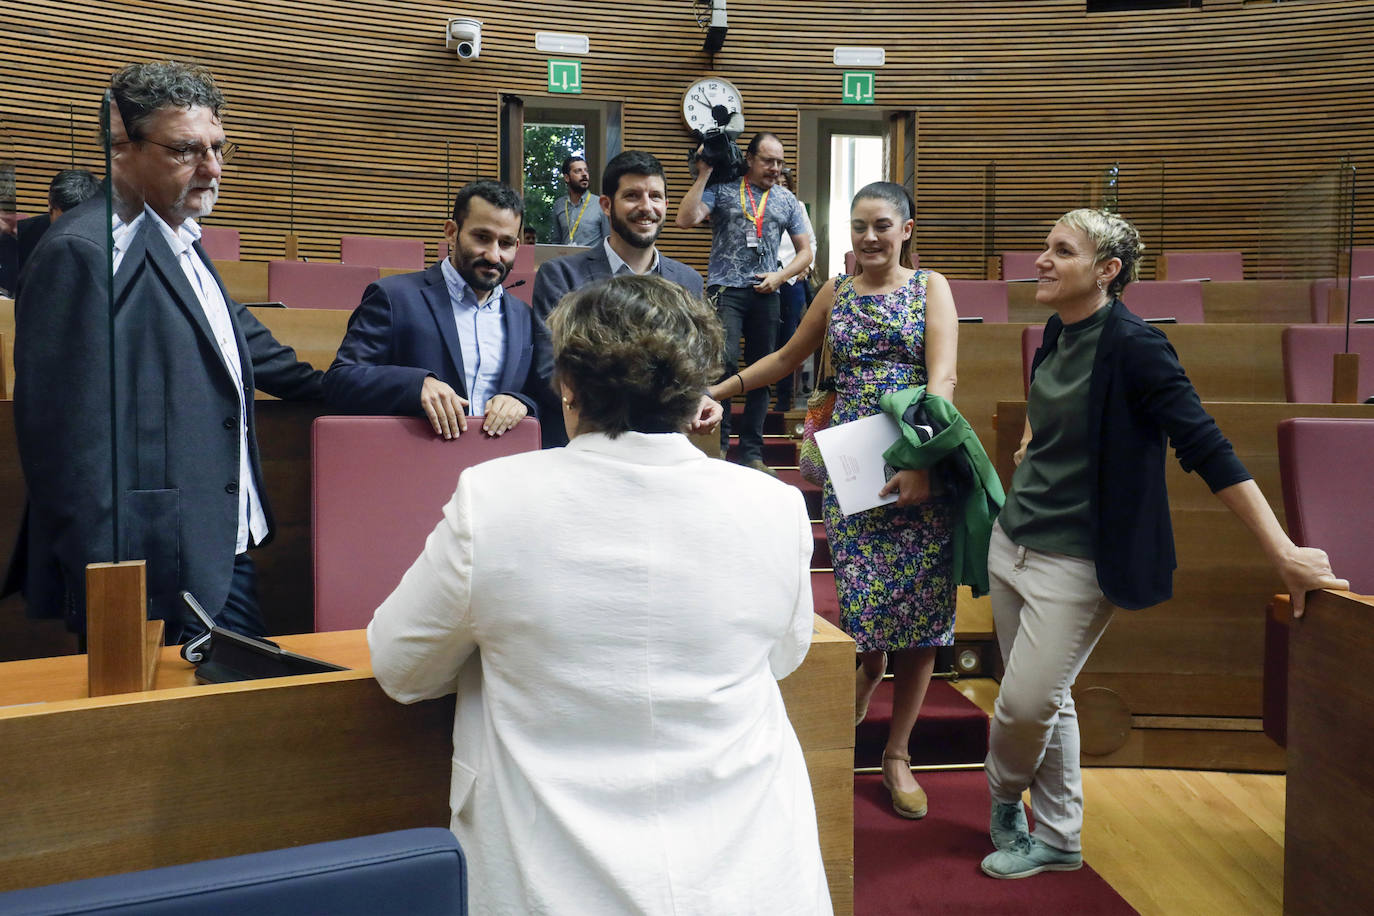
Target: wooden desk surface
x=188, y=772
x=62, y=679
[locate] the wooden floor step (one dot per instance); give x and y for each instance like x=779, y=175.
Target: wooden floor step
x=810, y=491
x=778, y=451
x=774, y=422
x=949, y=729
x=820, y=551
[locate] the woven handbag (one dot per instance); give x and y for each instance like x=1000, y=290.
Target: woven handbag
x=820, y=407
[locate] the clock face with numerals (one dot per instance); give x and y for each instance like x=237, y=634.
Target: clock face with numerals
x=708, y=103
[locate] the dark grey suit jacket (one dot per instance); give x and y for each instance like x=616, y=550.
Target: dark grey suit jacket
x=177, y=419
x=560, y=276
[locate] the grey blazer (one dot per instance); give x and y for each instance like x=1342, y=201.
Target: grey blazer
x=560, y=276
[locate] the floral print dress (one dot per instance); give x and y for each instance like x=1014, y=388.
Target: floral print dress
x=893, y=567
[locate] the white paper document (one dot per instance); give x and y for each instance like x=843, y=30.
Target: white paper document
x=853, y=454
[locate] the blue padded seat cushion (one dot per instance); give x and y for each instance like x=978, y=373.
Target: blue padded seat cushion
x=416, y=872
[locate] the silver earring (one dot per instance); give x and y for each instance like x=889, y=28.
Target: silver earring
x=1101, y=285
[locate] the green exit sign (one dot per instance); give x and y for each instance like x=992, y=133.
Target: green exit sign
x=565, y=75
x=858, y=87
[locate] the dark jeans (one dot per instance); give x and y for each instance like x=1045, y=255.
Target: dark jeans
x=793, y=304
x=754, y=316
x=240, y=613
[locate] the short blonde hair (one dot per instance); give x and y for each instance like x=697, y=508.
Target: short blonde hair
x=1111, y=237
x=637, y=351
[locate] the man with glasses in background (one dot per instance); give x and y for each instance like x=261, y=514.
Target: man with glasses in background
x=748, y=217
x=187, y=359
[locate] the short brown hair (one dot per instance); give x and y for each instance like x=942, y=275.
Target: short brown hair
x=637, y=351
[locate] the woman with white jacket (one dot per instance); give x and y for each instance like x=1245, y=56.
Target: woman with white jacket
x=629, y=604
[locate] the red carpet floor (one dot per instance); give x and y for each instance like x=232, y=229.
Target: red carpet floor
x=950, y=729
x=931, y=865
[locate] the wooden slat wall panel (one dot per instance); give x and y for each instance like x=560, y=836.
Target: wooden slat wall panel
x=1239, y=103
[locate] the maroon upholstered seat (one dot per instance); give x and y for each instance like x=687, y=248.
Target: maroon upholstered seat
x=1307, y=353
x=1030, y=342
x=379, y=485
x=318, y=284
x=1328, y=491
x=371, y=251
x=220, y=244
x=1152, y=299
x=1360, y=297
x=522, y=270
x=985, y=299
x=1019, y=265
x=1362, y=263
x=1328, y=500
x=1202, y=265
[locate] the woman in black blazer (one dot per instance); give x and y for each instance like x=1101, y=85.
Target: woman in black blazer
x=1085, y=528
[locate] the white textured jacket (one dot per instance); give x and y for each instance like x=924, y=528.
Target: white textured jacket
x=620, y=744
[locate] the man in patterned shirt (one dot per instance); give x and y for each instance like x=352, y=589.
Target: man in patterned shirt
x=748, y=218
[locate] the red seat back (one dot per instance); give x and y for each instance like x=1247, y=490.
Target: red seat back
x=378, y=488
x=1362, y=262
x=220, y=244
x=370, y=251
x=318, y=284
x=1019, y=265
x=1328, y=493
x=986, y=299
x=522, y=270
x=1307, y=355
x=1165, y=299
x=1030, y=342
x=1203, y=265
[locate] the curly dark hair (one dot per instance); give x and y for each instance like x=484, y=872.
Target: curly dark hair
x=637, y=351
x=142, y=90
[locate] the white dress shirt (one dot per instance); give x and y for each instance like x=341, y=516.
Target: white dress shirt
x=481, y=335
x=252, y=518
x=618, y=265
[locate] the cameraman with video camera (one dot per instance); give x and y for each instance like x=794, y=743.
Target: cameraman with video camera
x=748, y=215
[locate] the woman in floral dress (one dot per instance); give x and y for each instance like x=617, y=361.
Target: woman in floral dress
x=891, y=327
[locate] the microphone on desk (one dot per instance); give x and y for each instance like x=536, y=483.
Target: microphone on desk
x=517, y=283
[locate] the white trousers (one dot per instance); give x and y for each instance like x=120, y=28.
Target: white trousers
x=1049, y=613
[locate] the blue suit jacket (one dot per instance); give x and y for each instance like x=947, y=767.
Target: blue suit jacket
x=560, y=276
x=403, y=330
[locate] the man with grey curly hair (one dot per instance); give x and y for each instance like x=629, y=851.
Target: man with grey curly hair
x=190, y=497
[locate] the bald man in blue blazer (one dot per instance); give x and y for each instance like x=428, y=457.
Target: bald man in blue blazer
x=448, y=342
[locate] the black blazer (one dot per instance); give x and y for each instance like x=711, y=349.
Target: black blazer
x=177, y=418
x=403, y=331
x=1138, y=396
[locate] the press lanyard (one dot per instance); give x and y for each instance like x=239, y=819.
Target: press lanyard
x=572, y=233
x=754, y=215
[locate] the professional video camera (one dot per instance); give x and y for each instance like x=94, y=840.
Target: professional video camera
x=718, y=147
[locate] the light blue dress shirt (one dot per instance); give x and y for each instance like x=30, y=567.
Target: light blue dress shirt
x=481, y=335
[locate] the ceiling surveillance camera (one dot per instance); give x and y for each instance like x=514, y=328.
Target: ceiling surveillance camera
x=464, y=36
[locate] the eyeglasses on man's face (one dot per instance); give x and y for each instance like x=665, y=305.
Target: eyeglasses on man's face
x=188, y=153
